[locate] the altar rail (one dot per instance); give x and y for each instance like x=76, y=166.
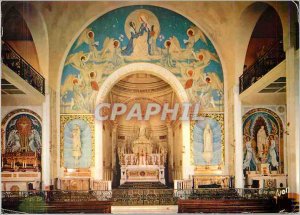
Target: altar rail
x=47, y=201
x=21, y=67
x=127, y=194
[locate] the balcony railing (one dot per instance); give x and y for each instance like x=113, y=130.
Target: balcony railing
x=262, y=66
x=22, y=68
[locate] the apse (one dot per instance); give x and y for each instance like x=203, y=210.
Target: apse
x=128, y=38
x=135, y=143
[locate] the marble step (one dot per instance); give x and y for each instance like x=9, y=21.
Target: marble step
x=151, y=209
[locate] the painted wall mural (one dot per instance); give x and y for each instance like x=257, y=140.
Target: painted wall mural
x=263, y=139
x=141, y=34
x=207, y=141
x=21, y=134
x=77, y=141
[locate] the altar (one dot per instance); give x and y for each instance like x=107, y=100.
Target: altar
x=141, y=163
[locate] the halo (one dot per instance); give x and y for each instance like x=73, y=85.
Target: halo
x=90, y=34
x=190, y=29
x=93, y=74
x=75, y=81
x=117, y=43
x=167, y=41
x=135, y=16
x=200, y=56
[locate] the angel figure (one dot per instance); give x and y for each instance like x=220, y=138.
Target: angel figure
x=34, y=141
x=88, y=37
x=190, y=83
x=167, y=59
x=117, y=58
x=13, y=142
x=208, y=84
x=203, y=57
x=194, y=34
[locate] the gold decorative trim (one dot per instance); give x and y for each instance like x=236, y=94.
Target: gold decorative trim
x=64, y=119
x=219, y=117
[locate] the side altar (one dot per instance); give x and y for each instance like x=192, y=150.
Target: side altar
x=141, y=163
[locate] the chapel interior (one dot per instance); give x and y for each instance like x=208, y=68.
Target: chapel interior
x=238, y=60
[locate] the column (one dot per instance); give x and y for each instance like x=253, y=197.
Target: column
x=186, y=160
x=98, y=169
x=46, y=141
x=293, y=107
x=170, y=151
x=238, y=138
x=114, y=144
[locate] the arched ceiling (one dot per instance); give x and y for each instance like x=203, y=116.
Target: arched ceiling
x=142, y=88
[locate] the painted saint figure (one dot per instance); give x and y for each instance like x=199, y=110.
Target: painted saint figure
x=133, y=35
x=142, y=41
x=151, y=41
x=76, y=137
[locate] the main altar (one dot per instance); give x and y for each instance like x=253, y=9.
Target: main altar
x=142, y=162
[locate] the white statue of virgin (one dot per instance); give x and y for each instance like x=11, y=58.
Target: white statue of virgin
x=261, y=140
x=207, y=144
x=76, y=151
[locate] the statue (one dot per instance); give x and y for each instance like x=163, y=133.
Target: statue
x=76, y=152
x=142, y=158
x=142, y=132
x=207, y=144
x=262, y=140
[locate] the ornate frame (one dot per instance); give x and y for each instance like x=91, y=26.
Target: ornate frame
x=219, y=117
x=64, y=119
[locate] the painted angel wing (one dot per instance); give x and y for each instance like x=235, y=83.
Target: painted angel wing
x=274, y=128
x=175, y=47
x=13, y=123
x=108, y=46
x=76, y=59
x=67, y=85
x=216, y=82
x=11, y=136
x=247, y=128
x=13, y=142
x=37, y=138
x=208, y=56
x=199, y=34
x=35, y=122
x=83, y=38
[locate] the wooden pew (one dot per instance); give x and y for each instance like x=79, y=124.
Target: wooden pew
x=79, y=207
x=226, y=206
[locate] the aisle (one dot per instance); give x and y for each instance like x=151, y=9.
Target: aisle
x=149, y=209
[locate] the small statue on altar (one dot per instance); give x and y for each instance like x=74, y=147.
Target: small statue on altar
x=128, y=160
x=135, y=159
x=142, y=160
